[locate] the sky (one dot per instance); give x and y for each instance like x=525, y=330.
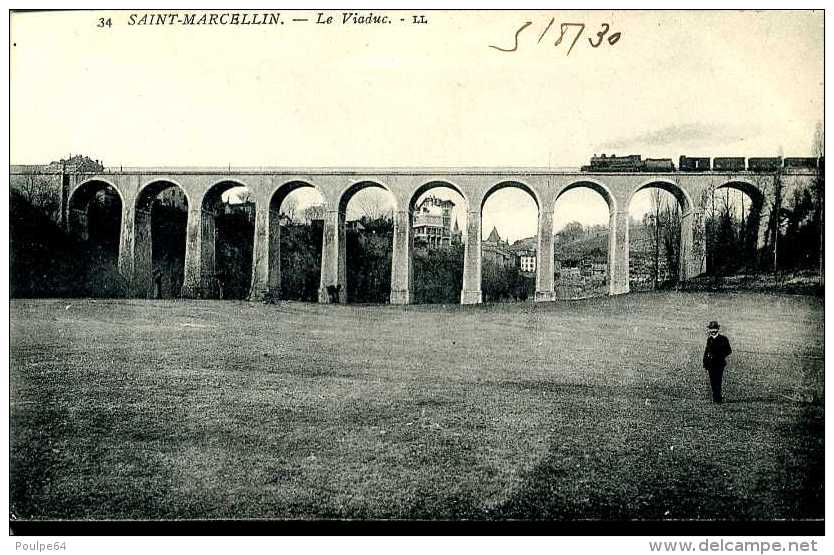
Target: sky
x=302, y=94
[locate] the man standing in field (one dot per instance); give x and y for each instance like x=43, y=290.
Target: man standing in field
x=715, y=358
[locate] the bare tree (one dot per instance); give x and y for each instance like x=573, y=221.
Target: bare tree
x=663, y=228
x=289, y=207
x=671, y=217
x=653, y=223
x=726, y=246
x=372, y=206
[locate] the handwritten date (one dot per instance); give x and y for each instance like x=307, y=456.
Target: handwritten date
x=566, y=30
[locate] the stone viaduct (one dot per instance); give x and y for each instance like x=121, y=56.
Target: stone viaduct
x=137, y=187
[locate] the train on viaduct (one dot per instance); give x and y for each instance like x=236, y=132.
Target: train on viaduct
x=203, y=187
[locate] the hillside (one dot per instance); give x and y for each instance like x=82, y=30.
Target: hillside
x=593, y=246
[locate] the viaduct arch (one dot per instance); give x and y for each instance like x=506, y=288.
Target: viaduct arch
x=406, y=296
x=269, y=186
x=272, y=228
x=79, y=204
x=141, y=262
x=519, y=184
x=545, y=251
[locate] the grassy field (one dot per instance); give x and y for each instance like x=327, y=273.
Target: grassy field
x=595, y=409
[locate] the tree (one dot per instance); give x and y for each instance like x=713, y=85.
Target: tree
x=662, y=224
x=169, y=229
x=726, y=239
x=234, y=253
x=671, y=235
x=289, y=207
x=42, y=194
x=792, y=232
x=369, y=260
x=653, y=223
x=573, y=231
x=772, y=187
x=372, y=206
x=732, y=228
x=819, y=193
x=301, y=261
x=438, y=274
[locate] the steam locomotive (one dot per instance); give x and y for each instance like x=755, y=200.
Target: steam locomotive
x=635, y=163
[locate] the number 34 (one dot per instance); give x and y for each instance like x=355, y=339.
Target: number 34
x=104, y=23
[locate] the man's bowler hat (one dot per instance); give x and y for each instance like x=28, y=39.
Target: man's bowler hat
x=713, y=325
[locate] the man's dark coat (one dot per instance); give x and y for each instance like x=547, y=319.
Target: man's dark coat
x=716, y=352
x=715, y=359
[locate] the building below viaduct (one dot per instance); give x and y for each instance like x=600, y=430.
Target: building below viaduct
x=202, y=187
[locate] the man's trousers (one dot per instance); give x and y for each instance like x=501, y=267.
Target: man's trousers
x=716, y=373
